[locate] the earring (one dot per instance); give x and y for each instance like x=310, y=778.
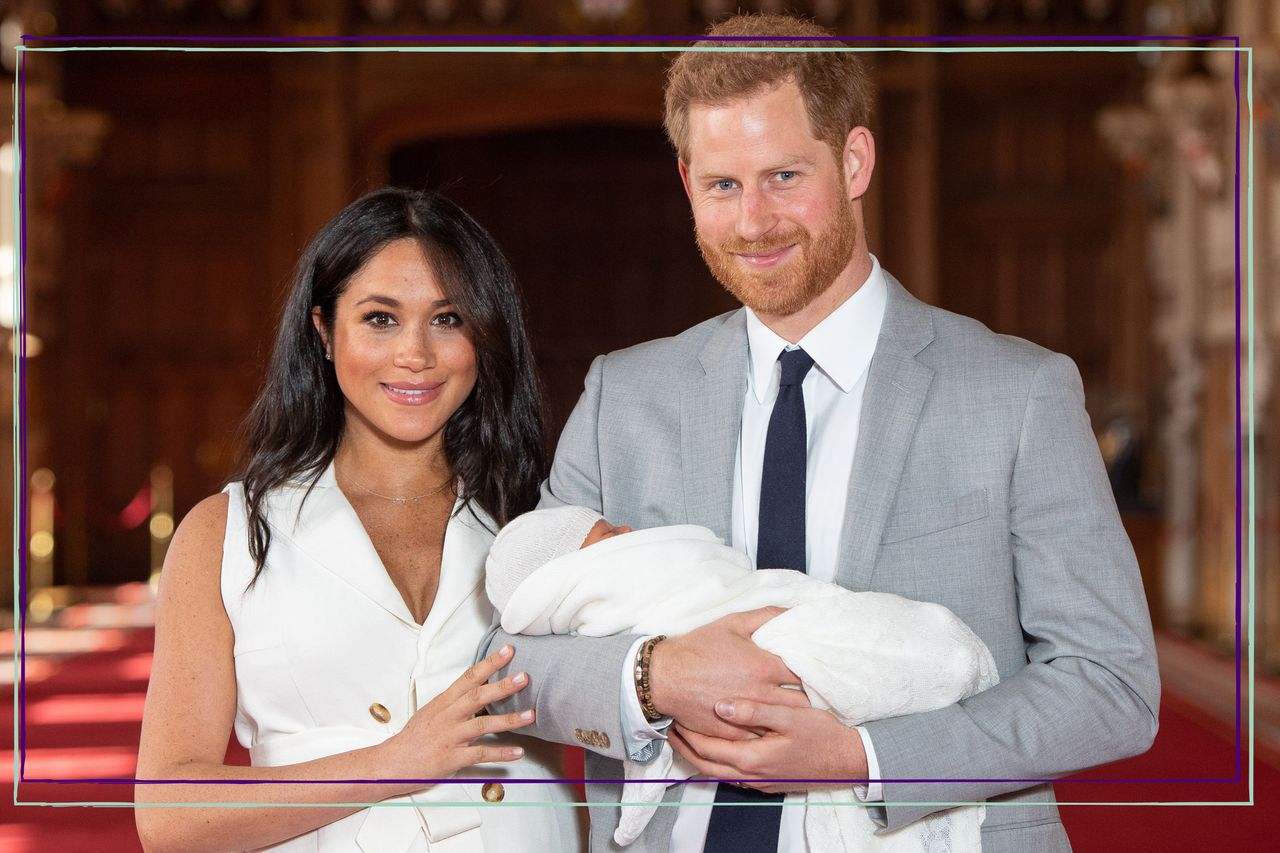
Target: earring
x=328, y=355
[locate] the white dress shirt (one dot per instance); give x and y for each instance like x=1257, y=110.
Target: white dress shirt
x=841, y=347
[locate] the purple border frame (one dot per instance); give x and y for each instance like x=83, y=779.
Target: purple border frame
x=621, y=39
x=132, y=40
x=20, y=535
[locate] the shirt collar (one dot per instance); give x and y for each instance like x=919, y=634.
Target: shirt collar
x=841, y=345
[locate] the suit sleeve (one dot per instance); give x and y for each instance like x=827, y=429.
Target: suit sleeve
x=1089, y=693
x=573, y=681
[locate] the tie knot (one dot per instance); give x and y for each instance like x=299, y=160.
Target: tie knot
x=795, y=365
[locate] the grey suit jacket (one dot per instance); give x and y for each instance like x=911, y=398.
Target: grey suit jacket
x=976, y=484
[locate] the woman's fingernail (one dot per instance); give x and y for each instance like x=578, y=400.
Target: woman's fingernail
x=526, y=715
x=515, y=752
x=505, y=651
x=724, y=708
x=519, y=678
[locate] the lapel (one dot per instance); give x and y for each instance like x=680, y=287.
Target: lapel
x=897, y=384
x=330, y=533
x=710, y=419
x=466, y=544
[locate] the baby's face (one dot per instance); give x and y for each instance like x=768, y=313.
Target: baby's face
x=601, y=531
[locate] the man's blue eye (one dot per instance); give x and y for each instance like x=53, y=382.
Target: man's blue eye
x=786, y=176
x=724, y=185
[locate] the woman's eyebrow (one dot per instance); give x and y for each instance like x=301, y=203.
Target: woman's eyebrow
x=385, y=300
x=392, y=302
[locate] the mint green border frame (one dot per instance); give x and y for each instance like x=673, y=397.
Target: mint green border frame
x=1247, y=331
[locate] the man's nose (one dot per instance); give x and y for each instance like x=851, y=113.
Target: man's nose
x=756, y=217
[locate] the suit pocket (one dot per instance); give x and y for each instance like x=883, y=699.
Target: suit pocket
x=936, y=517
x=1046, y=835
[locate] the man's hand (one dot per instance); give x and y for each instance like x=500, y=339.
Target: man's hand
x=689, y=674
x=798, y=743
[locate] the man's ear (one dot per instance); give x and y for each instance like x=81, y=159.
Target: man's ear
x=859, y=162
x=684, y=178
x=317, y=320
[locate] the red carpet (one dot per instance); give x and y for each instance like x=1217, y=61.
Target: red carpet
x=84, y=714
x=1187, y=745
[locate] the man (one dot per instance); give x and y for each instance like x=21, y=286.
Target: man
x=838, y=426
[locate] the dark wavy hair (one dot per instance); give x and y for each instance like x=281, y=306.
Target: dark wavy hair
x=494, y=442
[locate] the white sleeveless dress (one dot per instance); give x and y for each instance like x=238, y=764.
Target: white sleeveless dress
x=329, y=659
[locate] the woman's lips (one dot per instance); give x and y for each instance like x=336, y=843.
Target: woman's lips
x=411, y=395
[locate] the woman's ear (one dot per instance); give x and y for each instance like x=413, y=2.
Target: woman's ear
x=317, y=320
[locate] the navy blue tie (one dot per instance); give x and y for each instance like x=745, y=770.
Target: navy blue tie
x=779, y=544
x=780, y=538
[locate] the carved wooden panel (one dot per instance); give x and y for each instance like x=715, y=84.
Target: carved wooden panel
x=1029, y=208
x=1216, y=582
x=162, y=317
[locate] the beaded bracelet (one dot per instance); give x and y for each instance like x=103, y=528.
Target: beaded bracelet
x=642, y=678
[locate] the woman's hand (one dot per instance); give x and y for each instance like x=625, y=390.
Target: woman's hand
x=437, y=740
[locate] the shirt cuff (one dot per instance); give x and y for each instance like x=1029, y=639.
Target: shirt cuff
x=873, y=792
x=641, y=739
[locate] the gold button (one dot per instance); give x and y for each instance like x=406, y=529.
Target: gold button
x=493, y=792
x=379, y=712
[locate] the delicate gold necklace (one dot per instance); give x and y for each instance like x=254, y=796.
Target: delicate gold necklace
x=401, y=501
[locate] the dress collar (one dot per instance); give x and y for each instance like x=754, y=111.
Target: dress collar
x=326, y=528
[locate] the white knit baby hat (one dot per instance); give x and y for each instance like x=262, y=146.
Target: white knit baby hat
x=531, y=541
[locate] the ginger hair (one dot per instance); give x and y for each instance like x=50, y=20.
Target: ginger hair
x=836, y=88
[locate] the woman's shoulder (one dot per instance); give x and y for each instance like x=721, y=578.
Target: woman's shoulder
x=216, y=504
x=205, y=524
x=198, y=539
x=193, y=563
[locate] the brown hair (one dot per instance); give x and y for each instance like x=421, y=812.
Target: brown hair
x=835, y=85
x=494, y=441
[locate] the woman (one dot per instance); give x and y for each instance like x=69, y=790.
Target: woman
x=329, y=603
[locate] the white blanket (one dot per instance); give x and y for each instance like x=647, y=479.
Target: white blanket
x=861, y=655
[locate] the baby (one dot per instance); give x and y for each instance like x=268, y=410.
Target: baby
x=861, y=655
